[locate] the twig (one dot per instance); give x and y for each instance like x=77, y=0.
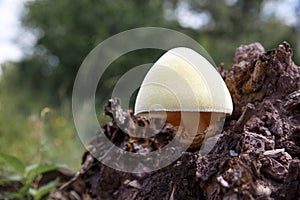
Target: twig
x=246, y=115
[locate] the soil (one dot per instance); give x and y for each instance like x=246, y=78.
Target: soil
x=256, y=156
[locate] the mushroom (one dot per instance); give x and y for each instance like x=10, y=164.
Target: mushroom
x=183, y=88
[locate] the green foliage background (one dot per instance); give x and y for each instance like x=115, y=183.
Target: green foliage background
x=35, y=93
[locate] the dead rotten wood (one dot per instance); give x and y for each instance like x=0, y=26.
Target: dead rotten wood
x=255, y=158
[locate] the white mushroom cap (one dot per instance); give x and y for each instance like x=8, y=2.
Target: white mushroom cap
x=183, y=80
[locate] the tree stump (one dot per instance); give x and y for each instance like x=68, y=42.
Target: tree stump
x=256, y=156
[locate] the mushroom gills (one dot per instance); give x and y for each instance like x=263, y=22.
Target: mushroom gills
x=192, y=127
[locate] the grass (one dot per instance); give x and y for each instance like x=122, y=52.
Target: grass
x=35, y=138
x=46, y=136
x=34, y=132
x=26, y=175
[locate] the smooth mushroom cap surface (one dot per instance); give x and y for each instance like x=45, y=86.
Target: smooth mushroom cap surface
x=182, y=81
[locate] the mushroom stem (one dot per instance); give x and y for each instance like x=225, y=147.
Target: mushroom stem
x=187, y=119
x=194, y=126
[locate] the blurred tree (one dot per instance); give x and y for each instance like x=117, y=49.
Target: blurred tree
x=297, y=10
x=66, y=32
x=232, y=23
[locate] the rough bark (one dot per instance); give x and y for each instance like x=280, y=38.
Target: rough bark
x=256, y=156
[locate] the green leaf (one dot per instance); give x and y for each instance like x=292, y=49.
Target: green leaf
x=44, y=190
x=14, y=177
x=13, y=162
x=23, y=191
x=4, y=180
x=8, y=196
x=33, y=171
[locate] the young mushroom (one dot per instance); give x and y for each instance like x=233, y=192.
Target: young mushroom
x=186, y=90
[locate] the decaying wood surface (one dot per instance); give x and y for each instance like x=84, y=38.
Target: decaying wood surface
x=256, y=156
